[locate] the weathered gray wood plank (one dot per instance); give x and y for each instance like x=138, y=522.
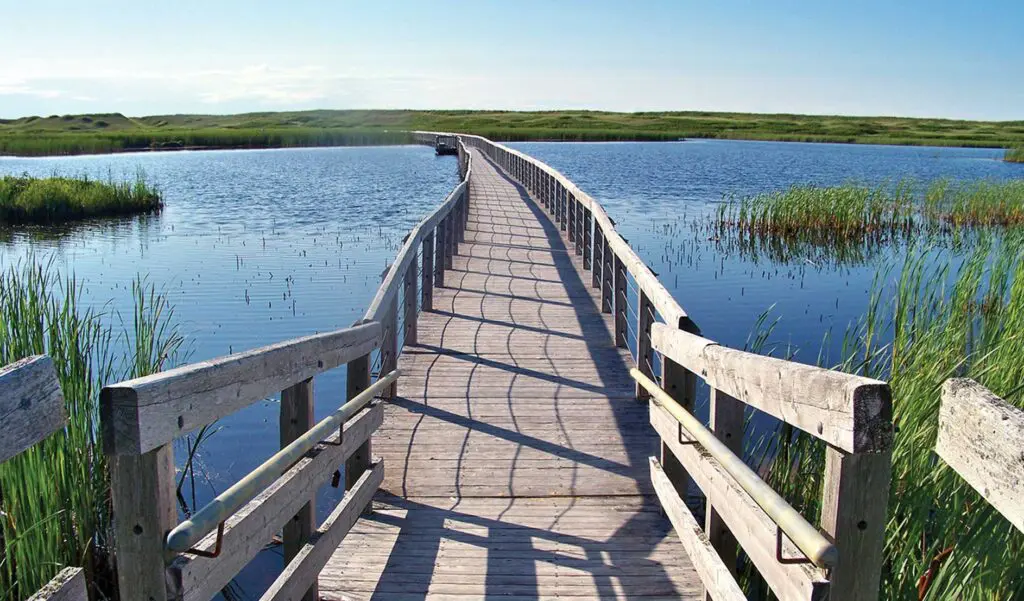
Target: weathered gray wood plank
x=31, y=404
x=67, y=585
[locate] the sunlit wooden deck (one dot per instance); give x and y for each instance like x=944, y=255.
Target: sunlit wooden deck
x=515, y=451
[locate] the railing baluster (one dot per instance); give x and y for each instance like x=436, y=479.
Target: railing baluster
x=571, y=225
x=597, y=260
x=726, y=421
x=358, y=380
x=297, y=417
x=621, y=336
x=389, y=346
x=588, y=247
x=410, y=297
x=645, y=319
x=145, y=506
x=608, y=275
x=428, y=271
x=439, y=253
x=449, y=237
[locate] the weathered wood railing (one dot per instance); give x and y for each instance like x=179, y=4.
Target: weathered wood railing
x=141, y=418
x=851, y=414
x=32, y=407
x=981, y=436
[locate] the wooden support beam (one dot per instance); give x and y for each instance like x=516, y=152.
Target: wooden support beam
x=588, y=244
x=31, y=404
x=608, y=277
x=597, y=259
x=409, y=299
x=439, y=253
x=297, y=417
x=570, y=230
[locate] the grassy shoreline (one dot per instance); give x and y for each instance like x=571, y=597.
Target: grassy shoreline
x=114, y=132
x=31, y=200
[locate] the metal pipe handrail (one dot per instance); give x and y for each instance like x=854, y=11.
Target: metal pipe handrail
x=806, y=537
x=213, y=514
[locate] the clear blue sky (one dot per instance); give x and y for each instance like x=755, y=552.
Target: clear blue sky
x=919, y=58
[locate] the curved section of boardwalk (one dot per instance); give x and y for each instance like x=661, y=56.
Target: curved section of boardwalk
x=515, y=453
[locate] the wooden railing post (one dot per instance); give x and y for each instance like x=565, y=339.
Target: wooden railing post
x=449, y=237
x=297, y=416
x=580, y=219
x=726, y=421
x=358, y=381
x=389, y=346
x=410, y=298
x=853, y=511
x=439, y=255
x=560, y=209
x=428, y=271
x=597, y=260
x=621, y=302
x=645, y=319
x=571, y=225
x=608, y=277
x=145, y=510
x=588, y=246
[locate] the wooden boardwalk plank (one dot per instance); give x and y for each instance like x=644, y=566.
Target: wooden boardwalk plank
x=515, y=452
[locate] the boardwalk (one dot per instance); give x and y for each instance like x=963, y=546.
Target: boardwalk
x=515, y=452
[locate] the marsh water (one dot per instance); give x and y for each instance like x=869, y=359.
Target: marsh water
x=255, y=247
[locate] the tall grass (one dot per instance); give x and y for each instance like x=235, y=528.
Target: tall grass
x=942, y=317
x=1014, y=155
x=54, y=497
x=822, y=215
x=26, y=199
x=975, y=204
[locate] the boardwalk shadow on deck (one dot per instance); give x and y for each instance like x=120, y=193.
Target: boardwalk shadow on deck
x=413, y=560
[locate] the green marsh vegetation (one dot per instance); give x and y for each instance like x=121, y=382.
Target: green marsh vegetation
x=54, y=497
x=1015, y=155
x=851, y=222
x=25, y=199
x=77, y=134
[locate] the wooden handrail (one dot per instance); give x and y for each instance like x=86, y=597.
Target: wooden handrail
x=981, y=437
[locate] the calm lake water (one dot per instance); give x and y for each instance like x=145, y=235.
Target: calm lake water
x=255, y=247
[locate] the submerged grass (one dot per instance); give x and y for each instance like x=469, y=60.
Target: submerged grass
x=945, y=317
x=26, y=199
x=54, y=497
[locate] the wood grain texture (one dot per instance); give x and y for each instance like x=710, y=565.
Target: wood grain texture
x=849, y=412
x=516, y=454
x=142, y=414
x=981, y=436
x=67, y=585
x=31, y=404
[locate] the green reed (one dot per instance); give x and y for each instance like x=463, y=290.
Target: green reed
x=26, y=199
x=54, y=497
x=822, y=214
x=933, y=317
x=975, y=204
x=1014, y=155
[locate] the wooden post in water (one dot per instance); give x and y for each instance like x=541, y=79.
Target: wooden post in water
x=410, y=298
x=428, y=271
x=144, y=502
x=645, y=319
x=621, y=334
x=588, y=247
x=726, y=421
x=608, y=275
x=358, y=381
x=439, y=255
x=297, y=416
